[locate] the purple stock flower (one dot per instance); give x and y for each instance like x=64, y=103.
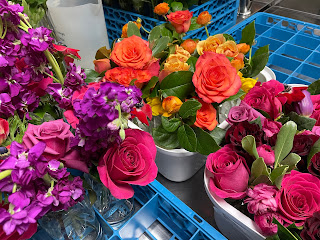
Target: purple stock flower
x=305, y=106
x=8, y=51
x=62, y=96
x=6, y=107
x=10, y=11
x=25, y=102
x=37, y=39
x=75, y=77
x=55, y=172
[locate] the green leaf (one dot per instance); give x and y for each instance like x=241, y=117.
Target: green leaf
x=258, y=61
x=257, y=121
x=151, y=84
x=284, y=119
x=189, y=108
x=265, y=114
x=177, y=84
x=165, y=139
x=302, y=121
x=92, y=196
x=92, y=75
x=262, y=179
x=314, y=88
x=283, y=232
x=284, y=141
x=234, y=97
x=277, y=174
x=176, y=6
x=170, y=125
x=218, y=134
x=155, y=91
x=160, y=45
x=192, y=63
x=205, y=142
x=190, y=120
x=315, y=149
x=165, y=32
x=154, y=35
x=133, y=30
x=187, y=138
x=259, y=168
x=291, y=160
x=248, y=34
x=249, y=144
x=228, y=37
x=194, y=25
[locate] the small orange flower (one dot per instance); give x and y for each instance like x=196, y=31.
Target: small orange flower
x=125, y=29
x=243, y=47
x=204, y=18
x=229, y=48
x=190, y=45
x=171, y=105
x=161, y=9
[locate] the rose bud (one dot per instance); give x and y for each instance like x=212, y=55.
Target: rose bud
x=305, y=106
x=190, y=45
x=243, y=48
x=180, y=20
x=171, y=105
x=101, y=65
x=204, y=18
x=4, y=130
x=266, y=152
x=161, y=9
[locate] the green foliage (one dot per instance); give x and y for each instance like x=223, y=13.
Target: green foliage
x=249, y=144
x=206, y=144
x=228, y=37
x=302, y=121
x=218, y=134
x=187, y=138
x=192, y=63
x=151, y=84
x=160, y=45
x=248, y=34
x=257, y=63
x=315, y=149
x=92, y=75
x=314, y=88
x=189, y=108
x=133, y=29
x=170, y=124
x=164, y=138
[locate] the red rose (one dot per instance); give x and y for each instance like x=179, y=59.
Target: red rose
x=215, y=79
x=131, y=162
x=56, y=135
x=4, y=130
x=311, y=229
x=303, y=142
x=299, y=197
x=230, y=172
x=314, y=167
x=39, y=88
x=180, y=20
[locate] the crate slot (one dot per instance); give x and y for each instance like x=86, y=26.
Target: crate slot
x=143, y=194
x=273, y=44
x=115, y=238
x=281, y=77
x=278, y=34
x=312, y=32
x=308, y=73
x=290, y=26
x=145, y=236
x=294, y=52
x=314, y=59
x=159, y=231
x=283, y=64
x=304, y=41
x=200, y=236
x=293, y=80
x=260, y=29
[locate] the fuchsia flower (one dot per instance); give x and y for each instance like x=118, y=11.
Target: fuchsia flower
x=264, y=222
x=305, y=106
x=266, y=152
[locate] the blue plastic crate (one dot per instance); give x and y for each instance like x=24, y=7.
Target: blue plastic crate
x=294, y=46
x=159, y=215
x=224, y=16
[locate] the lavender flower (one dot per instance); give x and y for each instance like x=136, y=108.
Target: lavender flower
x=305, y=106
x=8, y=51
x=10, y=11
x=37, y=39
x=6, y=107
x=26, y=102
x=75, y=77
x=61, y=96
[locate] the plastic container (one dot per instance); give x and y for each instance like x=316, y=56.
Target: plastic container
x=294, y=46
x=224, y=16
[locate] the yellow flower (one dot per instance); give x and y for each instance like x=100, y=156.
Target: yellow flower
x=210, y=44
x=171, y=105
x=177, y=61
x=156, y=106
x=247, y=84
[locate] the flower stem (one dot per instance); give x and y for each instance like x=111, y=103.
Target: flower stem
x=5, y=174
x=250, y=53
x=5, y=29
x=145, y=29
x=205, y=27
x=14, y=189
x=57, y=80
x=54, y=65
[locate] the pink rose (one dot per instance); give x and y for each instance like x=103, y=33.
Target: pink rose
x=242, y=113
x=131, y=162
x=299, y=197
x=271, y=127
x=230, y=172
x=264, y=222
x=314, y=166
x=102, y=65
x=266, y=152
x=180, y=20
x=274, y=87
x=316, y=130
x=56, y=135
x=261, y=98
x=262, y=199
x=4, y=130
x=316, y=116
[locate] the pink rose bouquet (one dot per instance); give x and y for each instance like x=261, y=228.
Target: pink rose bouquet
x=271, y=159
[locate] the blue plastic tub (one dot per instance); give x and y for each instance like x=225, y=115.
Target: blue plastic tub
x=294, y=46
x=158, y=215
x=224, y=16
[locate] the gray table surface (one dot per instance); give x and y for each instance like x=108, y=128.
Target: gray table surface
x=192, y=191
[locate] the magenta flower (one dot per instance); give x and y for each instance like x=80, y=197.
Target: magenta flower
x=242, y=113
x=264, y=222
x=37, y=39
x=305, y=106
x=261, y=199
x=266, y=152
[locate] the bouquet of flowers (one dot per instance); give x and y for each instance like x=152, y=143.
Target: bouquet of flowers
x=184, y=82
x=270, y=159
x=54, y=116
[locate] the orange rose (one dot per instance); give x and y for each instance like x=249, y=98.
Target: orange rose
x=180, y=20
x=206, y=116
x=125, y=29
x=204, y=18
x=101, y=65
x=190, y=45
x=215, y=79
x=238, y=62
x=210, y=44
x=171, y=105
x=132, y=52
x=162, y=9
x=243, y=48
x=229, y=48
x=120, y=75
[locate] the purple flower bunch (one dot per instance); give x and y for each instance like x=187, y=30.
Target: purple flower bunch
x=23, y=64
x=35, y=186
x=103, y=114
